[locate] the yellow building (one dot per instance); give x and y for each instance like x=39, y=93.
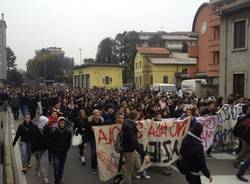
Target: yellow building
x=98, y=75
x=159, y=65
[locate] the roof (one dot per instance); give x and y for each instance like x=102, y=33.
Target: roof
x=235, y=6
x=167, y=36
x=197, y=14
x=177, y=37
x=177, y=58
x=98, y=65
x=152, y=50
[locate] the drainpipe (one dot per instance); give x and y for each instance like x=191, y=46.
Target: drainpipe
x=225, y=58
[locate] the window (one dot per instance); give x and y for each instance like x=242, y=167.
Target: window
x=240, y=34
x=110, y=80
x=165, y=79
x=239, y=85
x=151, y=80
x=106, y=80
x=216, y=58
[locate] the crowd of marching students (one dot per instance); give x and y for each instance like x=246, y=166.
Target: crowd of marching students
x=53, y=115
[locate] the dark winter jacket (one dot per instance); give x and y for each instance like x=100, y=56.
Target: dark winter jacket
x=83, y=128
x=59, y=140
x=24, y=100
x=192, y=155
x=109, y=118
x=92, y=123
x=130, y=142
x=28, y=134
x=15, y=103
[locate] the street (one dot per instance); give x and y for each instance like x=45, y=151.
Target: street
x=221, y=169
x=220, y=166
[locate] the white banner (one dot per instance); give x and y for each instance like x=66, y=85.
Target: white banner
x=161, y=139
x=209, y=127
x=227, y=116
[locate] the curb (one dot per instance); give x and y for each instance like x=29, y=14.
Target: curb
x=7, y=153
x=19, y=176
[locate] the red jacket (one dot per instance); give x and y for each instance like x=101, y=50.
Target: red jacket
x=52, y=122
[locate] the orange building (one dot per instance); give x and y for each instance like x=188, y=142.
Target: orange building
x=206, y=25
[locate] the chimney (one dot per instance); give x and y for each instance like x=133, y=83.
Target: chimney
x=2, y=16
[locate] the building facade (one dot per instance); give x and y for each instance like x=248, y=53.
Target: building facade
x=172, y=41
x=98, y=75
x=53, y=50
x=159, y=65
x=235, y=49
x=206, y=25
x=3, y=54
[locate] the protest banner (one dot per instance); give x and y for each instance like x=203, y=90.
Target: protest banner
x=161, y=139
x=227, y=116
x=209, y=127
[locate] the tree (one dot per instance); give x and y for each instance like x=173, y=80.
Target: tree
x=49, y=67
x=156, y=41
x=105, y=51
x=88, y=60
x=11, y=59
x=14, y=77
x=125, y=49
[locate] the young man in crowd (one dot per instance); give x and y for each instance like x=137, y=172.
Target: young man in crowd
x=59, y=144
x=131, y=148
x=193, y=157
x=28, y=133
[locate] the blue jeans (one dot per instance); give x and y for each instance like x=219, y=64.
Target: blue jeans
x=58, y=164
x=93, y=154
x=244, y=167
x=25, y=152
x=24, y=109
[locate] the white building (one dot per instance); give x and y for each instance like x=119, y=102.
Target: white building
x=172, y=41
x=3, y=54
x=53, y=50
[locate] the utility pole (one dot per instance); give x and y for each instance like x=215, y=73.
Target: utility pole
x=80, y=50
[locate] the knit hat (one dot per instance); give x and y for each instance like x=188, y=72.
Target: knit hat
x=61, y=118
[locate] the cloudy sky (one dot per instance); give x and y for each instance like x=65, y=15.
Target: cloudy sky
x=74, y=24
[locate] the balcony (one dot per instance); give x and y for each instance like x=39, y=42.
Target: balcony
x=193, y=51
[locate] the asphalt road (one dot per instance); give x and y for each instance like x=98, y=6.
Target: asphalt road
x=220, y=167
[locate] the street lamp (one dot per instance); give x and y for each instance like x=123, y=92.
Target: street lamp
x=80, y=50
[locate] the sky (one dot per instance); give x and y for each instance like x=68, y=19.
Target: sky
x=75, y=24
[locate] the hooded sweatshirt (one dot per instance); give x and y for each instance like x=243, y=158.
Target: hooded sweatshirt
x=43, y=121
x=193, y=155
x=60, y=139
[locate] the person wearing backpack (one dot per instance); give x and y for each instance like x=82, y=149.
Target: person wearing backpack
x=132, y=148
x=42, y=149
x=241, y=130
x=192, y=158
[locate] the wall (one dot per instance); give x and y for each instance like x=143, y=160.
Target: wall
x=3, y=54
x=166, y=70
x=237, y=62
x=97, y=73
